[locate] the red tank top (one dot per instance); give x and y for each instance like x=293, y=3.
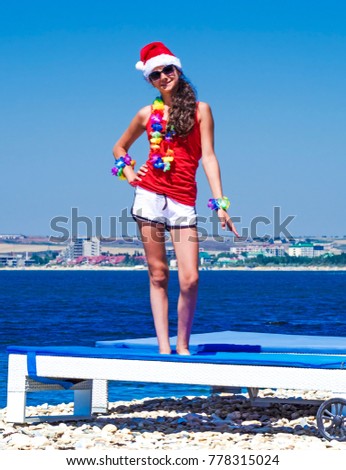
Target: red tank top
x=179, y=183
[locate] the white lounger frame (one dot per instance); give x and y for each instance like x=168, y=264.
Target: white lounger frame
x=90, y=395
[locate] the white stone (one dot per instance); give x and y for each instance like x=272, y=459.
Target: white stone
x=39, y=441
x=20, y=440
x=83, y=444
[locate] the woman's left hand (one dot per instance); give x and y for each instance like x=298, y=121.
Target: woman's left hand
x=142, y=171
x=226, y=221
x=137, y=176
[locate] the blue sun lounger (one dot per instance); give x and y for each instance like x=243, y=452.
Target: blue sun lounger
x=226, y=359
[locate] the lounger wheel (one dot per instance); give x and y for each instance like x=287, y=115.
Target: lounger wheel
x=331, y=419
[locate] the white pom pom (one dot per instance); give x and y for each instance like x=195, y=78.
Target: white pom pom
x=140, y=65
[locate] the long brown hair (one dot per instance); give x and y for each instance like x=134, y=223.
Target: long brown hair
x=183, y=110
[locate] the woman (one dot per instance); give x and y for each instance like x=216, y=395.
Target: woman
x=180, y=132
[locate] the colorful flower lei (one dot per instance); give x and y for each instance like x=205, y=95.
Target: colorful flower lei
x=160, y=158
x=120, y=164
x=219, y=203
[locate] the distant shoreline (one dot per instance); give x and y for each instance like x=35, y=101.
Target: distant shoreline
x=142, y=268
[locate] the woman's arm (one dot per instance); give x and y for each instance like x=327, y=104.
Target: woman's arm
x=210, y=163
x=132, y=133
x=209, y=160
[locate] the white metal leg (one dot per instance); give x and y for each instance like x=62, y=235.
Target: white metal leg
x=16, y=404
x=16, y=389
x=99, y=401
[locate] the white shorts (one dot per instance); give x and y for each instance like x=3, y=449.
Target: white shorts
x=160, y=209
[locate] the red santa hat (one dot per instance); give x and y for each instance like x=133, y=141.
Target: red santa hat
x=155, y=54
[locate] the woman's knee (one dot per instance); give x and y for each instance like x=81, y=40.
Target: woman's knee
x=159, y=276
x=189, y=281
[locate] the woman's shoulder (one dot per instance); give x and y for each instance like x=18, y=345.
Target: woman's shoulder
x=203, y=110
x=145, y=111
x=143, y=114
x=203, y=106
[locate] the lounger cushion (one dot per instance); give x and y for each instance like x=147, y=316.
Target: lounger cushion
x=324, y=361
x=265, y=342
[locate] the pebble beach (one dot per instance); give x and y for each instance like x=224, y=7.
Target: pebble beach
x=219, y=421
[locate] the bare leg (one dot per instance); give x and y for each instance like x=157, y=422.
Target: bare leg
x=186, y=245
x=153, y=238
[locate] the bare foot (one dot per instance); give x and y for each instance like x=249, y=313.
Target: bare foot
x=183, y=352
x=165, y=351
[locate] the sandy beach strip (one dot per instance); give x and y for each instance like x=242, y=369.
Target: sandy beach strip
x=219, y=421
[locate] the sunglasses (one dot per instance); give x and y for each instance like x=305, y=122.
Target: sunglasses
x=156, y=75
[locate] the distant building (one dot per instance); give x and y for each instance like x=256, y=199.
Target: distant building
x=15, y=260
x=275, y=249
x=205, y=258
x=81, y=247
x=8, y=260
x=251, y=250
x=11, y=236
x=224, y=261
x=170, y=253
x=301, y=249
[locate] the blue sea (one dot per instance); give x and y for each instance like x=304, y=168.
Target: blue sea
x=82, y=307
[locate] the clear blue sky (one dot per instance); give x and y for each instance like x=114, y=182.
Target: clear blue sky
x=274, y=73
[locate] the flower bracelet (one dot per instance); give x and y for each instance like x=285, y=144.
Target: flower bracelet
x=120, y=164
x=219, y=203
